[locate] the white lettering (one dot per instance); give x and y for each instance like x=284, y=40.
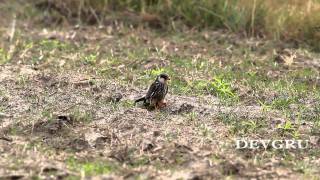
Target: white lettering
x=280, y=146
x=254, y=144
x=290, y=144
x=265, y=143
x=300, y=144
x=238, y=141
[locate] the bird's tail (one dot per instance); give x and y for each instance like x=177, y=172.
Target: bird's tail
x=140, y=99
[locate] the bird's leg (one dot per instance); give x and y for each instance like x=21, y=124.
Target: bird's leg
x=156, y=107
x=154, y=104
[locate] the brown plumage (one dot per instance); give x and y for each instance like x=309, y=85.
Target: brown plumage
x=156, y=93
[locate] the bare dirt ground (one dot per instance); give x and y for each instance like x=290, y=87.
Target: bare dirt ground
x=66, y=106
x=125, y=136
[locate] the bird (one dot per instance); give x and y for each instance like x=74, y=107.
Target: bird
x=157, y=92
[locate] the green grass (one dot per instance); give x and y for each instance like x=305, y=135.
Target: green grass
x=80, y=115
x=242, y=79
x=3, y=56
x=141, y=161
x=288, y=129
x=91, y=168
x=283, y=20
x=48, y=114
x=282, y=103
x=23, y=80
x=49, y=45
x=243, y=126
x=221, y=88
x=205, y=130
x=90, y=59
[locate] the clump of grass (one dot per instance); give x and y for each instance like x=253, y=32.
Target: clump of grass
x=192, y=116
x=221, y=88
x=127, y=104
x=23, y=80
x=90, y=168
x=282, y=103
x=81, y=116
x=3, y=56
x=155, y=72
x=205, y=130
x=90, y=59
x=288, y=129
x=277, y=19
x=141, y=161
x=46, y=113
x=50, y=45
x=242, y=126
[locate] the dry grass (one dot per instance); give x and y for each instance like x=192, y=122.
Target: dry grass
x=60, y=117
x=290, y=20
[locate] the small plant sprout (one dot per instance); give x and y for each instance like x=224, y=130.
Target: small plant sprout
x=221, y=88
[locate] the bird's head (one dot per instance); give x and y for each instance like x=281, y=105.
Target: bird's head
x=163, y=78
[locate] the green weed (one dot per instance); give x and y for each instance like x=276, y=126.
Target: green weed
x=46, y=113
x=141, y=161
x=90, y=168
x=127, y=103
x=22, y=80
x=288, y=128
x=155, y=72
x=50, y=45
x=3, y=56
x=90, y=59
x=221, y=88
x=240, y=126
x=282, y=103
x=192, y=116
x=205, y=130
x=81, y=115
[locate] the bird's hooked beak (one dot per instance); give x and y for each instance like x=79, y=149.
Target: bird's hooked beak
x=167, y=80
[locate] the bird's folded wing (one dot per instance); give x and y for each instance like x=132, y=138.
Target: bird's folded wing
x=154, y=89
